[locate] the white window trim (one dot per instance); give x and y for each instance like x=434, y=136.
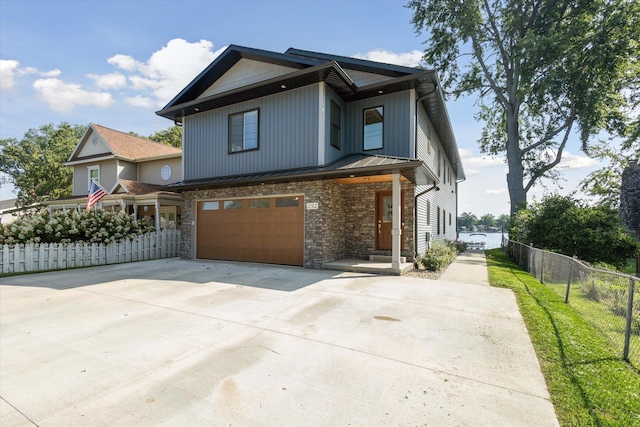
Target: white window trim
x=89, y=169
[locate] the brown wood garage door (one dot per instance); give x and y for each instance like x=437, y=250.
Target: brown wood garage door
x=269, y=230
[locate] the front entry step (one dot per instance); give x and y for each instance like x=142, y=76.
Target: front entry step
x=386, y=258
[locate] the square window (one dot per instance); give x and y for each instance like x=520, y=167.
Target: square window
x=373, y=128
x=334, y=134
x=259, y=203
x=243, y=131
x=286, y=202
x=232, y=204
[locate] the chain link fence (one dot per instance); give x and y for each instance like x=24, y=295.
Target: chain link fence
x=608, y=300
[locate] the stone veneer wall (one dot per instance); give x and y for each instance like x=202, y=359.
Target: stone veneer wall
x=630, y=197
x=360, y=224
x=343, y=226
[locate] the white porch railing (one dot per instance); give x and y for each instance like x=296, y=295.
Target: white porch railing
x=53, y=256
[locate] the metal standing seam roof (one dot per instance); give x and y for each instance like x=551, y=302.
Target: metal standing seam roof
x=352, y=165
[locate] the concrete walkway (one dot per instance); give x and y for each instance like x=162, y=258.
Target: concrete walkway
x=191, y=343
x=469, y=267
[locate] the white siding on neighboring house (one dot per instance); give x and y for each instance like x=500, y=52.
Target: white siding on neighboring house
x=151, y=171
x=246, y=72
x=108, y=176
x=93, y=146
x=127, y=170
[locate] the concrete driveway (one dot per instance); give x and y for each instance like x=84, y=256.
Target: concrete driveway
x=190, y=343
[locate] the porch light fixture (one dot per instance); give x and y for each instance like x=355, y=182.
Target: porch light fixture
x=283, y=86
x=380, y=91
x=352, y=176
x=437, y=188
x=196, y=109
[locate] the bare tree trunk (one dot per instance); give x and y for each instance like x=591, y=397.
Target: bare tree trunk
x=515, y=176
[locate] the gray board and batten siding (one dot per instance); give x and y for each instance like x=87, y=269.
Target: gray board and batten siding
x=291, y=124
x=288, y=135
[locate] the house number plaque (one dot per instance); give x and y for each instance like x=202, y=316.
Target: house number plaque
x=312, y=206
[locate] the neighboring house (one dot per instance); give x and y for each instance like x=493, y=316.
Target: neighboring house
x=303, y=158
x=132, y=169
x=9, y=212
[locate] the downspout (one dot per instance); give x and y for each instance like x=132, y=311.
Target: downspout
x=415, y=153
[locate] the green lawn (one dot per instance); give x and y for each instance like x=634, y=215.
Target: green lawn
x=589, y=384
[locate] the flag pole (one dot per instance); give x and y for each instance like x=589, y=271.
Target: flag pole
x=105, y=190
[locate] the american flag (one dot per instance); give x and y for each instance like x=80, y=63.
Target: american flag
x=96, y=192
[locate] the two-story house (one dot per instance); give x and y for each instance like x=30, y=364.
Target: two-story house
x=303, y=158
x=133, y=171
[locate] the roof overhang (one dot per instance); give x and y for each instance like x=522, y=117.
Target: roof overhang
x=331, y=73
x=356, y=165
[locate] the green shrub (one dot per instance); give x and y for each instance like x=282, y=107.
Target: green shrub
x=439, y=256
x=458, y=245
x=568, y=226
x=72, y=226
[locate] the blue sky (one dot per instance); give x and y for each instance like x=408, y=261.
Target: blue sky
x=116, y=62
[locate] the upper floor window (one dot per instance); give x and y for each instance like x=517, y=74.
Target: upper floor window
x=93, y=173
x=373, y=128
x=243, y=131
x=334, y=135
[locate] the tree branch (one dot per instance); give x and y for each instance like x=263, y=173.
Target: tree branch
x=476, y=48
x=540, y=172
x=492, y=22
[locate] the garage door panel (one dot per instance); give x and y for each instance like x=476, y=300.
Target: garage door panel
x=270, y=235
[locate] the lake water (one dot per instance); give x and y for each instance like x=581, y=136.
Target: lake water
x=493, y=239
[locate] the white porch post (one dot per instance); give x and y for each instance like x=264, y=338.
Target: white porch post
x=396, y=231
x=157, y=215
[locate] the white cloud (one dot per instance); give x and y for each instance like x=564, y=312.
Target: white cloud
x=167, y=71
x=64, y=97
x=571, y=161
x=52, y=73
x=140, y=101
x=124, y=62
x=481, y=162
x=7, y=71
x=109, y=81
x=26, y=70
x=407, y=59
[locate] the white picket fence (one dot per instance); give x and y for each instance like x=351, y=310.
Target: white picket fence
x=53, y=256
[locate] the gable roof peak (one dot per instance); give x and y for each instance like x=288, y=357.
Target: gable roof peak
x=356, y=63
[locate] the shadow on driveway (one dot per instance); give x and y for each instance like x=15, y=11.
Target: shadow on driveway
x=265, y=276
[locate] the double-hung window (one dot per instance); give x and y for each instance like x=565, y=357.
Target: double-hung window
x=243, y=131
x=93, y=173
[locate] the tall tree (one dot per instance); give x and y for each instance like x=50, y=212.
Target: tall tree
x=540, y=69
x=171, y=136
x=467, y=219
x=488, y=220
x=503, y=221
x=34, y=164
